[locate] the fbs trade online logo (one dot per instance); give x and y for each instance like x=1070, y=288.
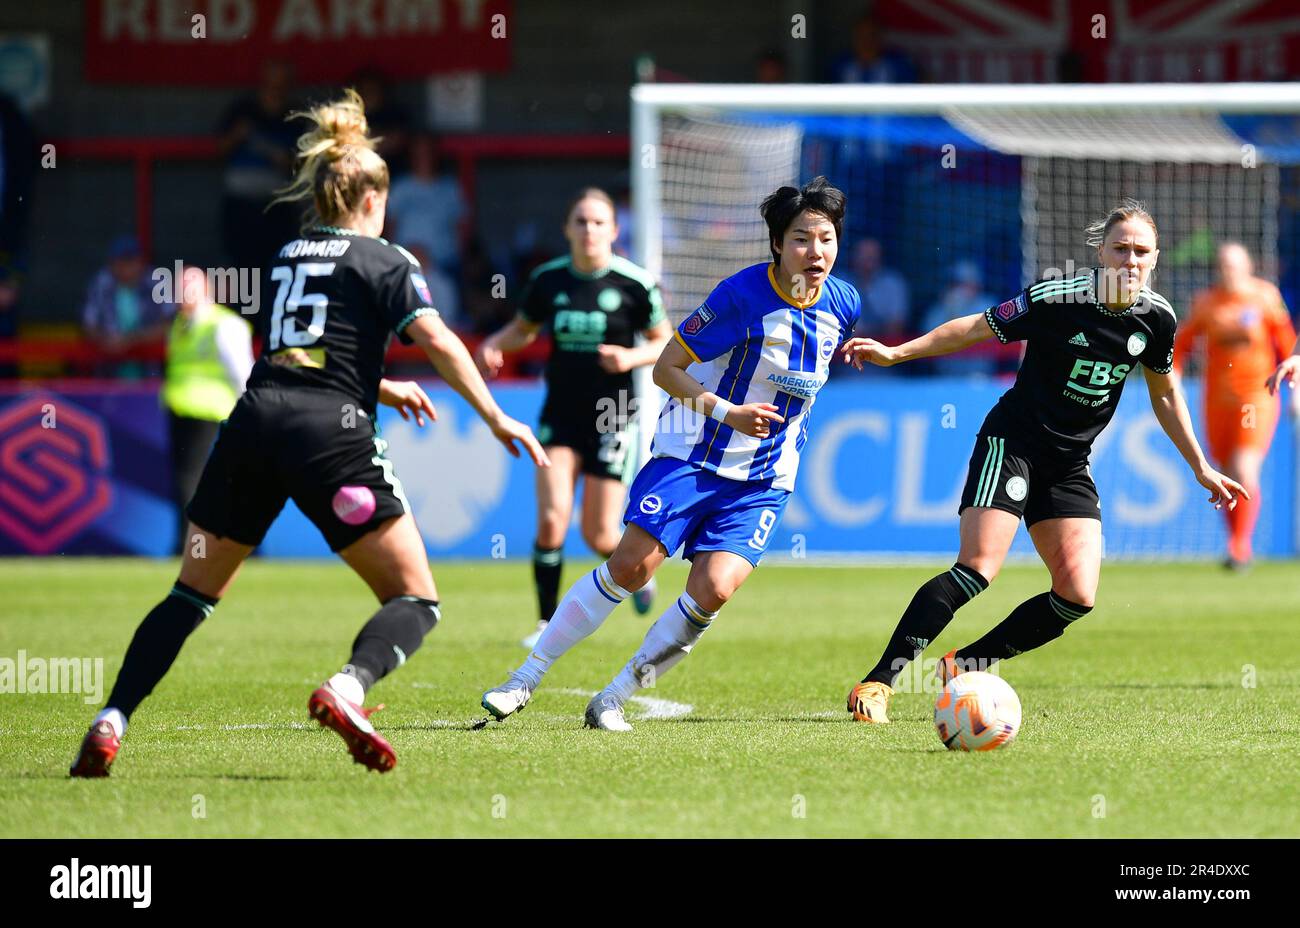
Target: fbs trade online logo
x=54, y=471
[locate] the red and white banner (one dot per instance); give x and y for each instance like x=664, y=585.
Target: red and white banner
x=1002, y=41
x=226, y=41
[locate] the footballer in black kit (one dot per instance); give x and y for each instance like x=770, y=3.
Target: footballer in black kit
x=586, y=405
x=1031, y=456
x=1084, y=337
x=306, y=429
x=595, y=303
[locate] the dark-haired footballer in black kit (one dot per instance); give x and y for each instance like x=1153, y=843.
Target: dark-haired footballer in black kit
x=305, y=430
x=1084, y=338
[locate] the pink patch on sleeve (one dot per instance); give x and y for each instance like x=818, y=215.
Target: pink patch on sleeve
x=354, y=505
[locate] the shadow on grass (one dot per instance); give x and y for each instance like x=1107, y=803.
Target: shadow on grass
x=141, y=776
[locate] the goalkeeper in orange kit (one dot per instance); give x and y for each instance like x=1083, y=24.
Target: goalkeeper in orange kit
x=1247, y=330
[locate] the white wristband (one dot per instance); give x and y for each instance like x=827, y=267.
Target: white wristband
x=720, y=409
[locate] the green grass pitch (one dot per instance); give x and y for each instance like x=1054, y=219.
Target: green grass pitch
x=1141, y=721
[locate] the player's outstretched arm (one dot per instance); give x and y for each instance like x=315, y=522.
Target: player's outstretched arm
x=952, y=336
x=451, y=359
x=1171, y=412
x=670, y=375
x=516, y=334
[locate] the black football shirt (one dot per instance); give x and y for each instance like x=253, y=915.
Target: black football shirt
x=336, y=297
x=1077, y=358
x=583, y=312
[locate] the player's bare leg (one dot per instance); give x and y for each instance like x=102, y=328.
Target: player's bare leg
x=391, y=560
x=986, y=535
x=555, y=490
x=603, y=500
x=208, y=566
x=1071, y=549
x=587, y=604
x=714, y=578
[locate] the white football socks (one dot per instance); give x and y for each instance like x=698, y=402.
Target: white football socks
x=669, y=640
x=113, y=717
x=587, y=604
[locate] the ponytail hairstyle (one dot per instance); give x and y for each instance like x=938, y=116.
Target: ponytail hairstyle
x=337, y=162
x=783, y=207
x=1096, y=231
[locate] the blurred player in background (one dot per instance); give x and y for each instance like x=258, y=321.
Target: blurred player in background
x=595, y=304
x=1247, y=329
x=305, y=430
x=209, y=358
x=1084, y=336
x=726, y=450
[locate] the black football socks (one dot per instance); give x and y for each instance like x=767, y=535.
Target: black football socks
x=548, y=564
x=156, y=643
x=927, y=615
x=1031, y=625
x=391, y=636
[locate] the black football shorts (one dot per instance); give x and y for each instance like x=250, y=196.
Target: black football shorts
x=311, y=445
x=1010, y=475
x=604, y=442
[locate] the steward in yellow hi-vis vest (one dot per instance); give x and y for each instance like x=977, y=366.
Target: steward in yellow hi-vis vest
x=197, y=385
x=209, y=356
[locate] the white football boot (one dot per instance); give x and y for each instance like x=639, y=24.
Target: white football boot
x=606, y=713
x=507, y=699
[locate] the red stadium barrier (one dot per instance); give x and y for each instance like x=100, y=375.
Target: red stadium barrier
x=466, y=150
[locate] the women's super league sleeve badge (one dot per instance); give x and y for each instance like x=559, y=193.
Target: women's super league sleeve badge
x=422, y=287
x=1011, y=309
x=698, y=320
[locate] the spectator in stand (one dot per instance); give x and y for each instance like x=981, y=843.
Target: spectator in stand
x=425, y=207
x=259, y=148
x=209, y=358
x=486, y=306
x=770, y=67
x=442, y=287
x=389, y=120
x=121, y=311
x=872, y=60
x=964, y=295
x=886, y=311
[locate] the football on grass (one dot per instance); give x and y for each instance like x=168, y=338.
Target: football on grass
x=977, y=711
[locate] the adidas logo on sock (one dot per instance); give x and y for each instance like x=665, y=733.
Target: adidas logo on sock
x=1079, y=340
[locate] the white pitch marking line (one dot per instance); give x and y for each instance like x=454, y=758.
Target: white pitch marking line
x=655, y=708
